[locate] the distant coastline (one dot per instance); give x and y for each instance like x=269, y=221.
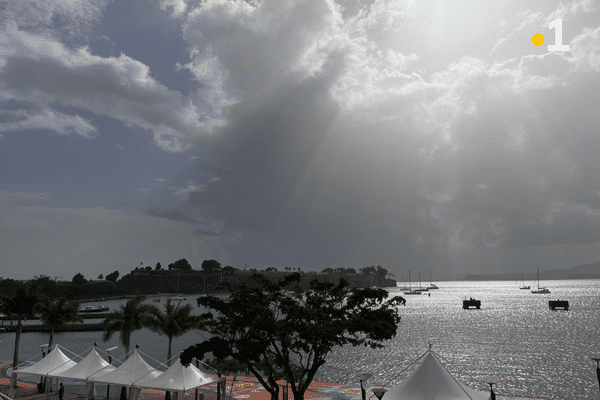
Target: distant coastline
x=176, y=282
x=587, y=271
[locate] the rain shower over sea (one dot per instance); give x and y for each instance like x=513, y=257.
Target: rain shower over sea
x=514, y=337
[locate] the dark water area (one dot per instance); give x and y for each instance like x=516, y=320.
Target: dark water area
x=514, y=337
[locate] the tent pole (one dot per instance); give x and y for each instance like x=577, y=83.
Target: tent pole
x=47, y=388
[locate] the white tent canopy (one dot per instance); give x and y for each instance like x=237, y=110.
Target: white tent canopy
x=431, y=381
x=92, y=364
x=180, y=378
x=54, y=363
x=133, y=371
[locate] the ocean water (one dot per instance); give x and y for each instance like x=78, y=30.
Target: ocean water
x=514, y=337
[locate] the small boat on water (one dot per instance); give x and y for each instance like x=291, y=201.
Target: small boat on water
x=410, y=290
x=432, y=285
x=94, y=309
x=523, y=283
x=540, y=290
x=421, y=289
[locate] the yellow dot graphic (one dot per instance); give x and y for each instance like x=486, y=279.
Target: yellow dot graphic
x=537, y=39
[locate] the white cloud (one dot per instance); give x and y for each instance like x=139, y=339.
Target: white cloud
x=183, y=193
x=585, y=50
x=46, y=118
x=39, y=15
x=248, y=51
x=40, y=70
x=563, y=10
x=177, y=6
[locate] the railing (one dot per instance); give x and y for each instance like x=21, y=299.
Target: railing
x=4, y=397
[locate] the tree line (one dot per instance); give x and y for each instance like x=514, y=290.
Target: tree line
x=139, y=280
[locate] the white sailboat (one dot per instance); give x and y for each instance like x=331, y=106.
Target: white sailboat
x=540, y=290
x=432, y=285
x=410, y=291
x=523, y=283
x=404, y=285
x=421, y=289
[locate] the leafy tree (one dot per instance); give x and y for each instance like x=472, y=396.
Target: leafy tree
x=148, y=268
x=113, y=277
x=78, y=279
x=47, y=285
x=158, y=267
x=381, y=271
x=328, y=270
x=292, y=334
x=350, y=271
x=173, y=322
x=20, y=304
x=340, y=270
x=56, y=313
x=131, y=317
x=182, y=264
x=211, y=266
x=367, y=270
x=271, y=269
x=228, y=270
x=100, y=276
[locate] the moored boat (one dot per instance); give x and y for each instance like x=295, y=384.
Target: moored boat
x=94, y=309
x=540, y=290
x=523, y=283
x=410, y=290
x=432, y=285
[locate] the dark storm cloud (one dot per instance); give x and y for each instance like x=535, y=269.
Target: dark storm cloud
x=272, y=147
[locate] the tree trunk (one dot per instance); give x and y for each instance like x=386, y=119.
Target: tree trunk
x=51, y=339
x=299, y=395
x=170, y=351
x=16, y=353
x=219, y=387
x=169, y=355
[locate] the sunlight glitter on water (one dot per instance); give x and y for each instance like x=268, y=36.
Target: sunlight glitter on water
x=535, y=352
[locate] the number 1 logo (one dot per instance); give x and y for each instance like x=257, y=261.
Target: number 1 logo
x=558, y=46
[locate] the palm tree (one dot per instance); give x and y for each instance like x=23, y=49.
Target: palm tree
x=128, y=318
x=20, y=304
x=56, y=313
x=173, y=322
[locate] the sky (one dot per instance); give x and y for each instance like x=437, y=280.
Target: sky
x=415, y=135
